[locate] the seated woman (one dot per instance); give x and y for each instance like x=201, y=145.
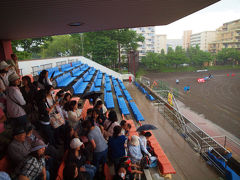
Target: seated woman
x=110, y=123
x=73, y=114
x=135, y=148
x=76, y=155
x=116, y=145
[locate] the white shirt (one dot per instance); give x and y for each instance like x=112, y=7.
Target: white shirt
x=110, y=129
x=13, y=109
x=74, y=117
x=4, y=83
x=144, y=140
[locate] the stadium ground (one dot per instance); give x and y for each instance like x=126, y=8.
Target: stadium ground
x=218, y=99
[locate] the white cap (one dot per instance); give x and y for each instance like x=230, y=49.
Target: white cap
x=75, y=143
x=13, y=77
x=3, y=65
x=135, y=140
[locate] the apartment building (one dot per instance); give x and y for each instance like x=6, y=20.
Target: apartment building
x=202, y=39
x=148, y=45
x=173, y=43
x=186, y=39
x=160, y=43
x=227, y=36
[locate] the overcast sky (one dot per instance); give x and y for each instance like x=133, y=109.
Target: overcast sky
x=207, y=19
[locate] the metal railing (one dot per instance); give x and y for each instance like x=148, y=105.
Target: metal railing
x=198, y=139
x=60, y=63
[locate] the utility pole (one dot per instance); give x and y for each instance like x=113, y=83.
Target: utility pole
x=82, y=39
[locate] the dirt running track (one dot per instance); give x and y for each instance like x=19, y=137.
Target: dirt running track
x=218, y=99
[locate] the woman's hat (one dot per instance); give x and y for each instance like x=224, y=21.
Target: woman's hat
x=13, y=77
x=75, y=143
x=3, y=65
x=134, y=140
x=38, y=144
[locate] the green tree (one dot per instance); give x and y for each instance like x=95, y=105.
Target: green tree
x=228, y=55
x=29, y=48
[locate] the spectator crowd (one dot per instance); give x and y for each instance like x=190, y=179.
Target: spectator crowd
x=47, y=125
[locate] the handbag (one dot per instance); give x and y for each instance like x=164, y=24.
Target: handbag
x=56, y=120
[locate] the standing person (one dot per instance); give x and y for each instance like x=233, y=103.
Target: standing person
x=177, y=81
x=98, y=142
x=33, y=167
x=110, y=123
x=116, y=145
x=4, y=83
x=43, y=79
x=15, y=60
x=44, y=118
x=15, y=102
x=73, y=114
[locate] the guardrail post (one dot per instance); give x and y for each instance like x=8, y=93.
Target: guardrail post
x=225, y=141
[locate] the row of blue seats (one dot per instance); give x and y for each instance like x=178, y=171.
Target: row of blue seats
x=100, y=75
x=77, y=72
x=79, y=87
x=76, y=64
x=65, y=80
x=66, y=67
x=84, y=67
x=122, y=106
x=108, y=87
x=149, y=96
x=137, y=114
x=94, y=88
x=97, y=82
x=229, y=173
x=121, y=84
x=108, y=99
x=117, y=91
x=55, y=70
x=127, y=95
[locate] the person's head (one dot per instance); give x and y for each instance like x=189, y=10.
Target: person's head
x=60, y=94
x=147, y=135
x=19, y=134
x=14, y=80
x=3, y=67
x=123, y=124
x=41, y=95
x=112, y=116
x=116, y=131
x=38, y=149
x=26, y=81
x=67, y=97
x=89, y=112
x=129, y=126
x=72, y=105
x=70, y=171
x=29, y=129
x=49, y=90
x=87, y=125
x=95, y=113
x=99, y=104
x=122, y=172
x=75, y=144
x=14, y=57
x=134, y=140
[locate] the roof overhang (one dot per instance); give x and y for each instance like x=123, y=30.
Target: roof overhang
x=34, y=18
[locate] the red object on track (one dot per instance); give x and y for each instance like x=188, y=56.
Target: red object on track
x=233, y=74
x=201, y=80
x=227, y=75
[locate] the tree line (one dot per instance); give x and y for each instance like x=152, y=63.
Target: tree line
x=104, y=47
x=193, y=56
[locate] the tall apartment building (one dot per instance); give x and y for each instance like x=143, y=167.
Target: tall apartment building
x=173, y=43
x=227, y=36
x=186, y=39
x=148, y=45
x=203, y=39
x=160, y=43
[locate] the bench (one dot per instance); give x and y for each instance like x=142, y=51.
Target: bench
x=76, y=72
x=122, y=106
x=117, y=91
x=79, y=87
x=108, y=99
x=127, y=95
x=55, y=70
x=76, y=64
x=137, y=114
x=88, y=78
x=66, y=67
x=65, y=80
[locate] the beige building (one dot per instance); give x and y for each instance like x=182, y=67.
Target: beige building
x=203, y=39
x=186, y=39
x=160, y=43
x=227, y=36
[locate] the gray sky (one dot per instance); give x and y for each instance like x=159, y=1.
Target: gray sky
x=207, y=19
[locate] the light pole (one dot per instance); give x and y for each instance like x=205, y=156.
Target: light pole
x=82, y=39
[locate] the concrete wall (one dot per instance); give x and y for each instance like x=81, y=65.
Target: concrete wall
x=27, y=65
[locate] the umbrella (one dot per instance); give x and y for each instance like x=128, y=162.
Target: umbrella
x=146, y=127
x=92, y=95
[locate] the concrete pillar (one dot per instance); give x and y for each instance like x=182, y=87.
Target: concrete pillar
x=5, y=49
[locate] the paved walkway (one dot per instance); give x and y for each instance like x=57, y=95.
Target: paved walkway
x=187, y=163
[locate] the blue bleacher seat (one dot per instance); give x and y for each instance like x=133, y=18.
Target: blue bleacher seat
x=108, y=99
x=127, y=95
x=122, y=106
x=137, y=114
x=79, y=87
x=76, y=72
x=66, y=67
x=76, y=64
x=88, y=78
x=55, y=70
x=65, y=80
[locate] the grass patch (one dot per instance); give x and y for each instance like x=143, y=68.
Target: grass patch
x=223, y=67
x=179, y=69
